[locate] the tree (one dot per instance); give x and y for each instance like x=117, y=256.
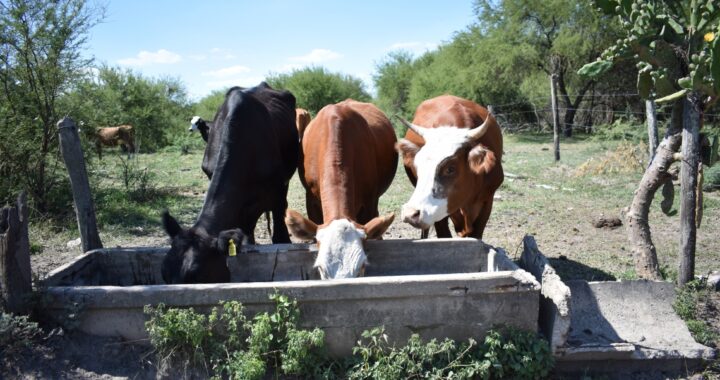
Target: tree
x=208, y=106
x=560, y=36
x=677, y=50
x=316, y=87
x=393, y=78
x=463, y=68
x=40, y=56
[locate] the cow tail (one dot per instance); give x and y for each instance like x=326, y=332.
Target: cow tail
x=267, y=219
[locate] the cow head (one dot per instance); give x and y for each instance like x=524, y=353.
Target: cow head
x=195, y=256
x=340, y=243
x=199, y=124
x=447, y=165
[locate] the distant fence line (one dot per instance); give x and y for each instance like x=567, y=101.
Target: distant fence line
x=514, y=119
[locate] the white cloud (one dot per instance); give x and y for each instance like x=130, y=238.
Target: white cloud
x=143, y=58
x=413, y=47
x=289, y=67
x=226, y=72
x=197, y=57
x=317, y=56
x=248, y=81
x=222, y=53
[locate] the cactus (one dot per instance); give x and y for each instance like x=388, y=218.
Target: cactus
x=655, y=30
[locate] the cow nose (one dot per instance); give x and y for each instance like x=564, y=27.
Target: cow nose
x=411, y=216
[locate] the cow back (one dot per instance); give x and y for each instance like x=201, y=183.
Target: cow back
x=256, y=146
x=348, y=158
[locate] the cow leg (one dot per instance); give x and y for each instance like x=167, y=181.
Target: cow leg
x=98, y=148
x=441, y=228
x=481, y=220
x=458, y=220
x=314, y=208
x=280, y=232
x=424, y=233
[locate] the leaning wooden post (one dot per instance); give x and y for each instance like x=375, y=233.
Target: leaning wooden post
x=556, y=116
x=15, y=273
x=75, y=163
x=651, y=114
x=689, y=187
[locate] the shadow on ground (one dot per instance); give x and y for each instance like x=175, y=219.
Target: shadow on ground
x=572, y=270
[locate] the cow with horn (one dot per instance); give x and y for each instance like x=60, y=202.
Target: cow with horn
x=452, y=153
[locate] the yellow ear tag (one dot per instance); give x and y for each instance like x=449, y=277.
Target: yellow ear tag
x=232, y=251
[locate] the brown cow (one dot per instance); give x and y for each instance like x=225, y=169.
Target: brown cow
x=123, y=135
x=348, y=161
x=302, y=119
x=452, y=154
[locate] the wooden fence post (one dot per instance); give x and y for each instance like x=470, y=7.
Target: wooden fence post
x=15, y=273
x=556, y=117
x=689, y=187
x=651, y=114
x=75, y=163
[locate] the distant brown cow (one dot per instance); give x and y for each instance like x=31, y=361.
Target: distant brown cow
x=123, y=135
x=348, y=161
x=302, y=119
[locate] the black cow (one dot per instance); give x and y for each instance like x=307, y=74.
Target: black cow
x=203, y=126
x=254, y=143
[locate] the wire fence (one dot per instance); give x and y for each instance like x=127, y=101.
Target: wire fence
x=594, y=110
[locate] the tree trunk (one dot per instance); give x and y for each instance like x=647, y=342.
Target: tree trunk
x=569, y=121
x=651, y=113
x=15, y=273
x=589, y=124
x=638, y=228
x=556, y=116
x=688, y=186
x=84, y=207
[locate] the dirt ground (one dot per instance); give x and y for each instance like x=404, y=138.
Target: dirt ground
x=549, y=201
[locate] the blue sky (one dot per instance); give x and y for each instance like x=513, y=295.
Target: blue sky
x=214, y=44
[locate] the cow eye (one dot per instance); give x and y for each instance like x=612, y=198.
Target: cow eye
x=449, y=170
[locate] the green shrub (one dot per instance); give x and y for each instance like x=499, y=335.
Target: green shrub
x=712, y=178
x=621, y=129
x=16, y=334
x=227, y=344
x=687, y=305
x=510, y=354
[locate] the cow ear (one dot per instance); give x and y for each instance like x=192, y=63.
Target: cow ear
x=172, y=227
x=480, y=159
x=237, y=236
x=376, y=227
x=407, y=150
x=299, y=226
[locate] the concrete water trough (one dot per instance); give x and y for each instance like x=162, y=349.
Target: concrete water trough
x=612, y=326
x=456, y=288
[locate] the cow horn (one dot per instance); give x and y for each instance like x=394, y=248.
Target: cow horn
x=415, y=128
x=478, y=132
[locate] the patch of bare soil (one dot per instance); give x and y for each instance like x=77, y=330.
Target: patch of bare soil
x=60, y=355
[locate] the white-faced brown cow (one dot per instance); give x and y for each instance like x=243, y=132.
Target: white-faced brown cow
x=452, y=154
x=123, y=135
x=302, y=119
x=348, y=161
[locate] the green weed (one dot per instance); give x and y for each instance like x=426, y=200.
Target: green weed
x=225, y=343
x=510, y=354
x=17, y=333
x=687, y=305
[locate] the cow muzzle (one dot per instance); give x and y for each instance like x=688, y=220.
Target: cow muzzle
x=414, y=217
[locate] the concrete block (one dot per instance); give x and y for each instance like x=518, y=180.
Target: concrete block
x=554, y=314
